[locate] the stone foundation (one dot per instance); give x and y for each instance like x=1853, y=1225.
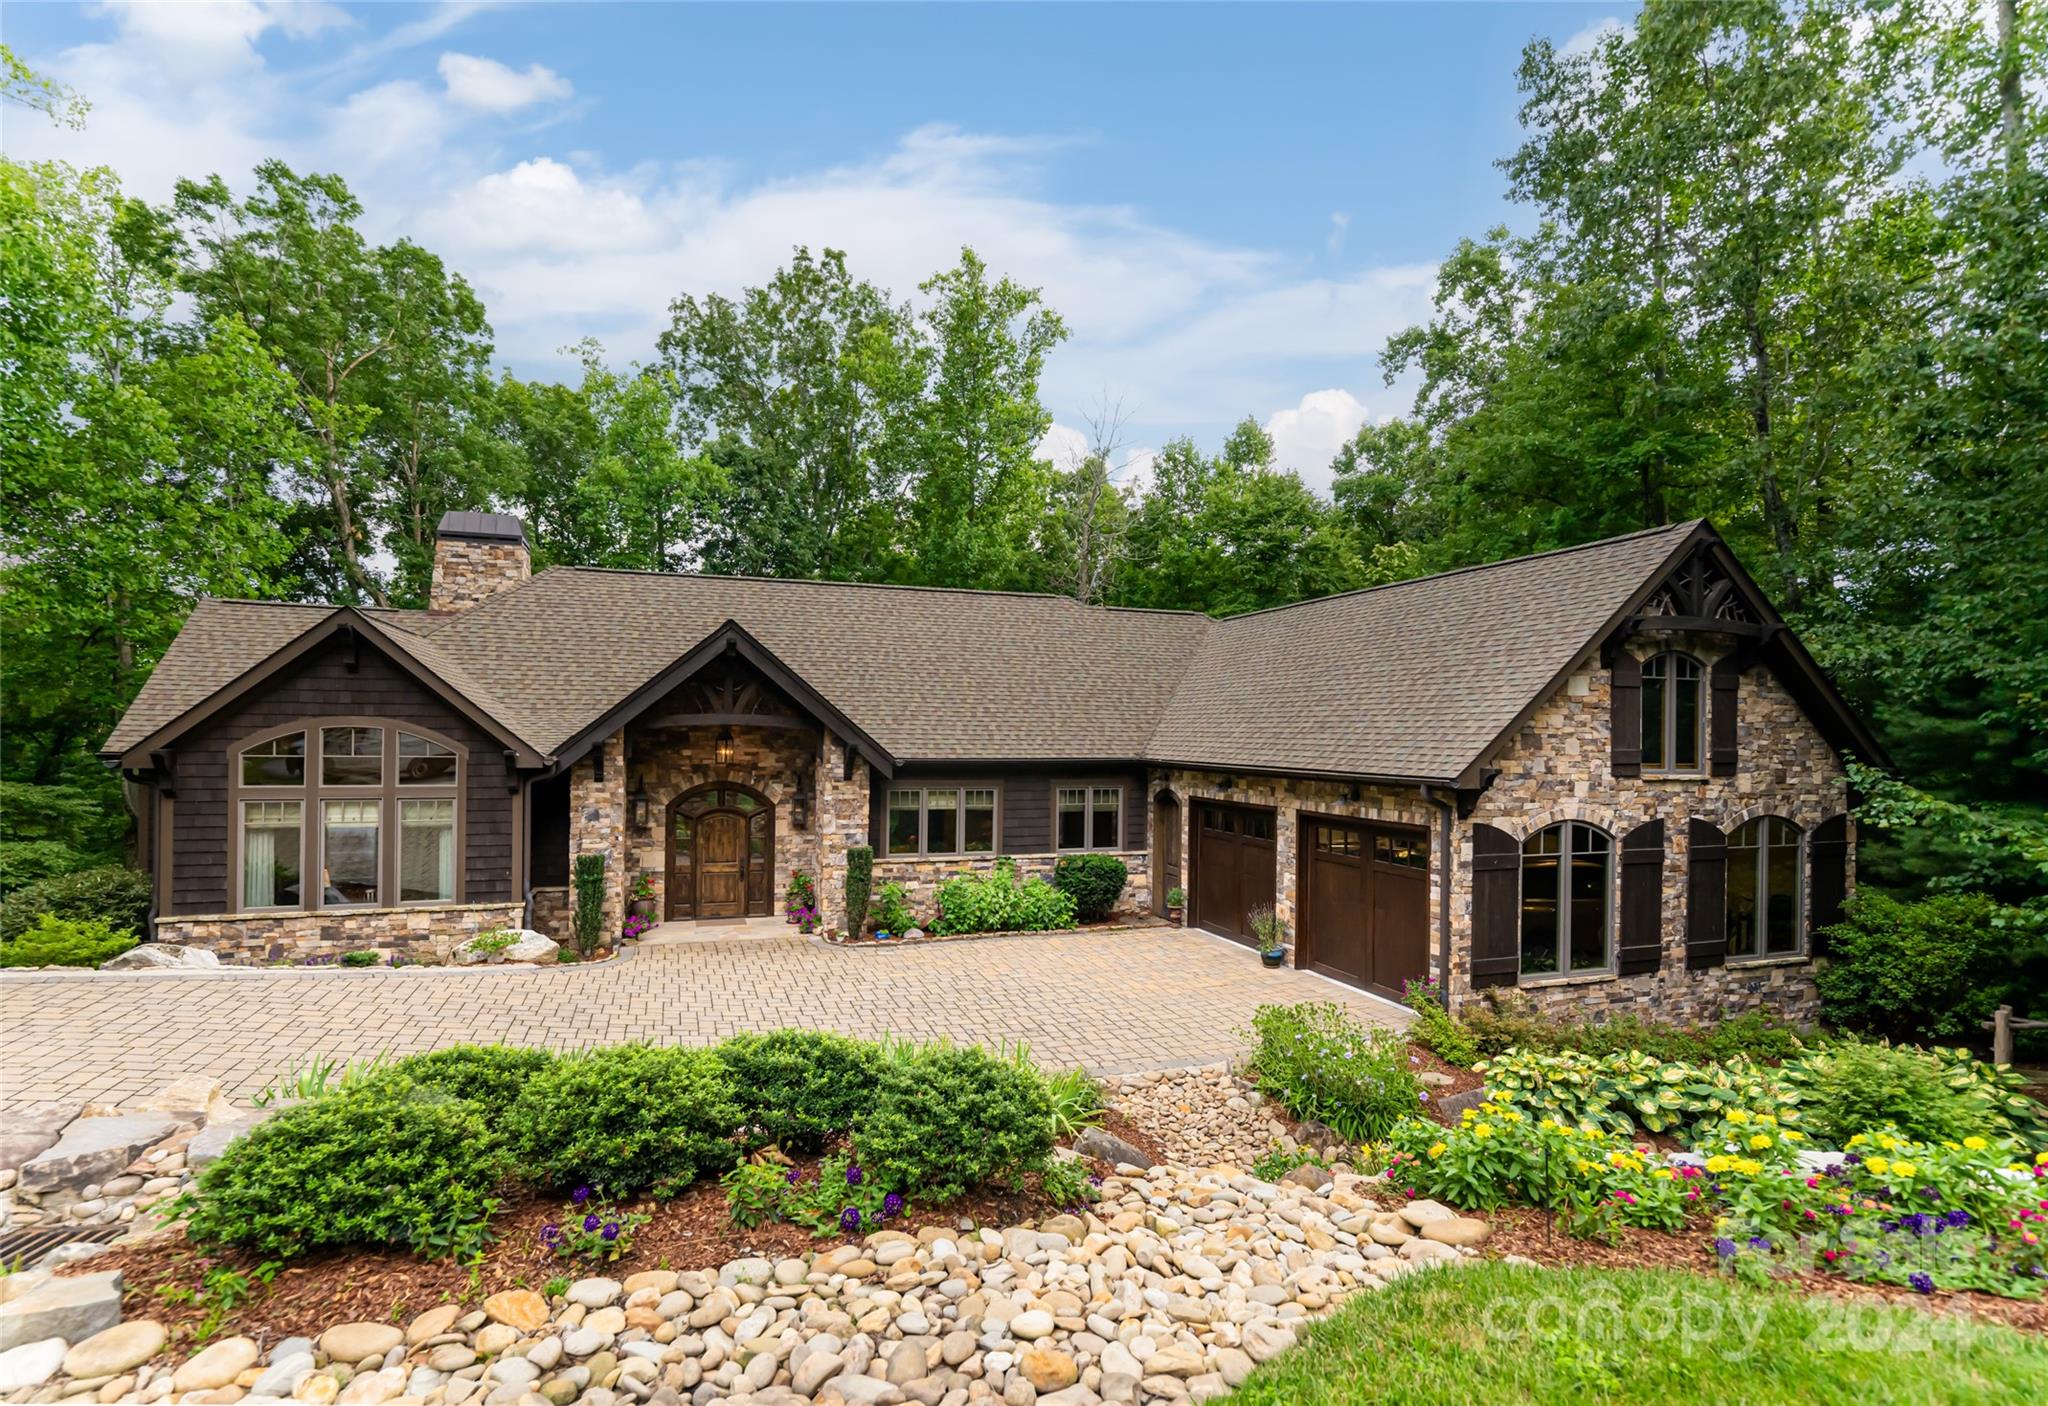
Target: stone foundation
x=1784, y=989
x=552, y=909
x=921, y=877
x=417, y=934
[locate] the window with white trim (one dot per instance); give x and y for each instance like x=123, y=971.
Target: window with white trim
x=426, y=851
x=350, y=832
x=281, y=761
x=1088, y=817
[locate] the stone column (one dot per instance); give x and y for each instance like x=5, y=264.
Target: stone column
x=841, y=822
x=597, y=825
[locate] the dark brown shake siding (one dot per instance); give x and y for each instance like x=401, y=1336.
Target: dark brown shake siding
x=319, y=687
x=1024, y=799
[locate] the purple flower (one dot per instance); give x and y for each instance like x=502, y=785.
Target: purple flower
x=853, y=1174
x=580, y=1195
x=1759, y=1242
x=1422, y=1094
x=796, y=1175
x=849, y=1219
x=551, y=1235
x=611, y=1230
x=892, y=1204
x=1956, y=1219
x=590, y=1222
x=1724, y=1247
x=1921, y=1282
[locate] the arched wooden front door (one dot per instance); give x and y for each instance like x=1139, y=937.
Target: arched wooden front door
x=721, y=852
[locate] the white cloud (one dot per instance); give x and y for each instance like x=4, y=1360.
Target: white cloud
x=1340, y=226
x=1308, y=435
x=486, y=85
x=1588, y=40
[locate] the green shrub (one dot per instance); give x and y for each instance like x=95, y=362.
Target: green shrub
x=361, y=957
x=1923, y=972
x=998, y=903
x=1094, y=881
x=1076, y=1101
x=796, y=1088
x=2001, y=1092
x=860, y=885
x=943, y=1120
x=1854, y=1087
x=1620, y=1091
x=1506, y=1020
x=1436, y=1029
x=381, y=1162
x=587, y=923
x=1320, y=1064
x=626, y=1119
x=491, y=1076
x=892, y=911
x=115, y=893
x=65, y=942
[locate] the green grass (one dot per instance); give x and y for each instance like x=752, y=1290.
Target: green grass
x=1508, y=1333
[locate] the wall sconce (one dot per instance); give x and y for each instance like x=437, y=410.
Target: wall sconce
x=638, y=806
x=800, y=810
x=722, y=752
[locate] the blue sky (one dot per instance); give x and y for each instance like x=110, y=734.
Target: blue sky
x=1231, y=206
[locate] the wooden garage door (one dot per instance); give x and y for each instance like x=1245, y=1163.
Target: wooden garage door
x=1233, y=871
x=1365, y=903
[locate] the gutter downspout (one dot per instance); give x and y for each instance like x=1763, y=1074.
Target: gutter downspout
x=526, y=838
x=1447, y=865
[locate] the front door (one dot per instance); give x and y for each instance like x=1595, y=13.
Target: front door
x=1165, y=849
x=722, y=865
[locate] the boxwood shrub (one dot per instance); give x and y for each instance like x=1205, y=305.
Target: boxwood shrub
x=630, y=1118
x=795, y=1088
x=943, y=1120
x=490, y=1075
x=1094, y=881
x=381, y=1162
x=65, y=942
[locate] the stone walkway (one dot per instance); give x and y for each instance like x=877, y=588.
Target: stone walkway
x=1116, y=1002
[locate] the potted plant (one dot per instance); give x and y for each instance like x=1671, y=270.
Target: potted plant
x=806, y=919
x=1176, y=902
x=800, y=895
x=643, y=898
x=1270, y=934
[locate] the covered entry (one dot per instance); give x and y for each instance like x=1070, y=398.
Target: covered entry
x=1364, y=903
x=721, y=853
x=1233, y=870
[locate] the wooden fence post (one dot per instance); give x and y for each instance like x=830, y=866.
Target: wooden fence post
x=2001, y=1035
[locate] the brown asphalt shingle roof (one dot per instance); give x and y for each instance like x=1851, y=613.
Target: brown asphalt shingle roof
x=1412, y=680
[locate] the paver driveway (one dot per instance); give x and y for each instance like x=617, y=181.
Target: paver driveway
x=1117, y=1002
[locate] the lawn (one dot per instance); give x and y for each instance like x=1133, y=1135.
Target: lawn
x=1500, y=1332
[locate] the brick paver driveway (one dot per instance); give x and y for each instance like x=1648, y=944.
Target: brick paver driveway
x=1116, y=1002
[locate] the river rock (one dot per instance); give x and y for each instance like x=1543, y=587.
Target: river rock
x=518, y=1308
x=72, y=1309
x=1458, y=1230
x=215, y=1365
x=115, y=1350
x=30, y=1364
x=352, y=1342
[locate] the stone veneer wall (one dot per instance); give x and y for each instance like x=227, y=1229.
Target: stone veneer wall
x=418, y=934
x=1290, y=797
x=1556, y=768
x=597, y=825
x=551, y=908
x=841, y=821
x=668, y=762
x=466, y=571
x=921, y=877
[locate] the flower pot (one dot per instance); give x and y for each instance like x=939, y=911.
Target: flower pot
x=1173, y=915
x=643, y=907
x=1274, y=957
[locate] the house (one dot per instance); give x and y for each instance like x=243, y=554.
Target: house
x=1609, y=775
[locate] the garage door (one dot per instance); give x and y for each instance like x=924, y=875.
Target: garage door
x=1365, y=903
x=1233, y=872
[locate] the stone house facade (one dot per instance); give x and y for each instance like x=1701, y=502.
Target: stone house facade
x=1607, y=776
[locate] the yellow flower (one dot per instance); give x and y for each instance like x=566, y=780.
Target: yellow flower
x=1511, y=1115
x=1736, y=1115
x=1483, y=1130
x=2041, y=1160
x=1902, y=1169
x=1718, y=1164
x=1856, y=1141
x=1878, y=1165
x=1766, y=1118
x=1662, y=1174
x=1760, y=1141
x=1548, y=1125
x=1791, y=1135
x=1977, y=1144
x=1436, y=1149
x=1749, y=1167
x=1584, y=1166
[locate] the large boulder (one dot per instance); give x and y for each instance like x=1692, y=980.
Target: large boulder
x=160, y=956
x=213, y=1139
x=31, y=1132
x=71, y=1309
x=93, y=1149
x=1107, y=1147
x=527, y=946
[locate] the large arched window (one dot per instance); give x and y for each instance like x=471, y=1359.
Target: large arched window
x=1674, y=718
x=1567, y=912
x=346, y=813
x=1763, y=888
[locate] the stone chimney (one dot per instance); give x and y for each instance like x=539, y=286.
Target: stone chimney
x=477, y=555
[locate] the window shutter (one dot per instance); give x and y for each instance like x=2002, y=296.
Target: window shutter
x=1642, y=899
x=1626, y=726
x=1496, y=907
x=1706, y=899
x=1827, y=852
x=1724, y=679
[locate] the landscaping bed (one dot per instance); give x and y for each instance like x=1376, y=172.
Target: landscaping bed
x=917, y=936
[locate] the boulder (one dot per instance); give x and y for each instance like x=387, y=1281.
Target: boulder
x=160, y=956
x=72, y=1309
x=116, y=1350
x=31, y=1132
x=93, y=1149
x=215, y=1365
x=210, y=1141
x=1458, y=1230
x=1421, y=1213
x=527, y=946
x=1107, y=1147
x=352, y=1342
x=30, y=1364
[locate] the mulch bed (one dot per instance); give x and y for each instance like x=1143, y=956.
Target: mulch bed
x=866, y=942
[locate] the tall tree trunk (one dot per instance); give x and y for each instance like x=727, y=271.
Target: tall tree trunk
x=2009, y=82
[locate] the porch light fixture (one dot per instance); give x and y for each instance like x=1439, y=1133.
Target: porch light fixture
x=800, y=809
x=722, y=753
x=639, y=806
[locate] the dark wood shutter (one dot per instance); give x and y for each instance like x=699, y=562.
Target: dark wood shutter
x=1625, y=727
x=1706, y=898
x=1642, y=899
x=1827, y=854
x=1496, y=907
x=1725, y=680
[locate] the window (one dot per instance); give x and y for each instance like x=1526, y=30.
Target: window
x=1672, y=715
x=1567, y=873
x=1407, y=851
x=1088, y=817
x=942, y=820
x=978, y=821
x=351, y=756
x=1330, y=839
x=426, y=851
x=903, y=821
x=348, y=853
x=279, y=762
x=423, y=762
x=272, y=851
x=1763, y=888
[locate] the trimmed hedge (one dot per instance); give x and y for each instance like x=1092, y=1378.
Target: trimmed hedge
x=795, y=1088
x=65, y=942
x=1094, y=881
x=945, y=1119
x=631, y=1118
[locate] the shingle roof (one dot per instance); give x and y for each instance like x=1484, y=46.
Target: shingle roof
x=1410, y=680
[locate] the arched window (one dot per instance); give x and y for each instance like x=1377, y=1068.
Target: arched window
x=1674, y=719
x=1567, y=911
x=1763, y=888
